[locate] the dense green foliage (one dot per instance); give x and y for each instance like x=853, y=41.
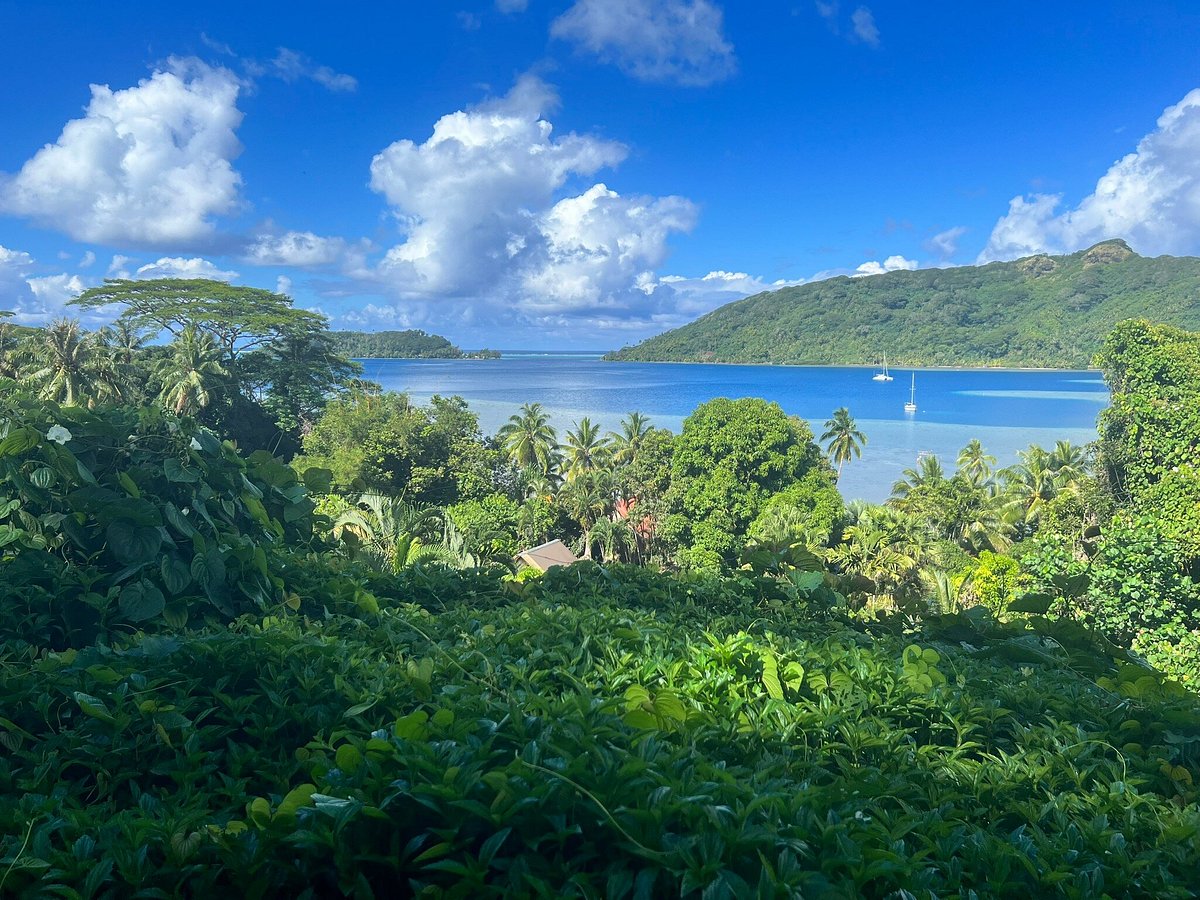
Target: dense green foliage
x=1038, y=311
x=1151, y=430
x=381, y=442
x=730, y=459
x=600, y=733
x=223, y=674
x=411, y=344
x=242, y=361
x=129, y=517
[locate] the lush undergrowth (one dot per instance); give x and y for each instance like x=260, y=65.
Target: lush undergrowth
x=601, y=732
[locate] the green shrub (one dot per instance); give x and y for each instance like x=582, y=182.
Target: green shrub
x=118, y=517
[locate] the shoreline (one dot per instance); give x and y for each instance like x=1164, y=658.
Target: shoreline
x=682, y=362
x=907, y=368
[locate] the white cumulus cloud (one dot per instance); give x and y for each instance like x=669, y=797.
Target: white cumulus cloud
x=148, y=165
x=35, y=299
x=679, y=41
x=891, y=264
x=469, y=197
x=1151, y=198
x=500, y=224
x=178, y=267
x=302, y=249
x=598, y=245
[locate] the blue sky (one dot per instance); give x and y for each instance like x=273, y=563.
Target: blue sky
x=580, y=174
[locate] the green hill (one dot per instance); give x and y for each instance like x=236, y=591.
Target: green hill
x=1051, y=311
x=411, y=344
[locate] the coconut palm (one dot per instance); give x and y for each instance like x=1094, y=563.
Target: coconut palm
x=975, y=463
x=529, y=439
x=63, y=362
x=123, y=339
x=585, y=450
x=10, y=343
x=390, y=534
x=928, y=471
x=189, y=375
x=1031, y=483
x=845, y=441
x=587, y=499
x=627, y=442
x=616, y=539
x=991, y=525
x=1068, y=462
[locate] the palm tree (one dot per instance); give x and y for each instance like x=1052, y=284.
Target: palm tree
x=391, y=534
x=189, y=374
x=928, y=471
x=975, y=463
x=845, y=441
x=1069, y=463
x=616, y=539
x=626, y=443
x=9, y=342
x=587, y=499
x=1032, y=482
x=529, y=439
x=124, y=339
x=63, y=362
x=585, y=449
x=990, y=527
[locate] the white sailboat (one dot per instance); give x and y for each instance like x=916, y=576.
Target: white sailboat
x=911, y=405
x=882, y=376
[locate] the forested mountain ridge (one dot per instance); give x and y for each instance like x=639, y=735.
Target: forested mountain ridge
x=1039, y=311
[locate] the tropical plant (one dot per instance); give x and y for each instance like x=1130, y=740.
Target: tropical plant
x=190, y=376
x=627, y=443
x=843, y=440
x=529, y=439
x=392, y=535
x=63, y=361
x=584, y=450
x=587, y=499
x=928, y=471
x=975, y=463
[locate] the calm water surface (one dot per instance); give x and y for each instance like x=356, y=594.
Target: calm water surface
x=1006, y=409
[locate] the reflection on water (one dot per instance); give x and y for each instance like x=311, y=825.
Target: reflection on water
x=1005, y=409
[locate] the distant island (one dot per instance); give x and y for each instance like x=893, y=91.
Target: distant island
x=1040, y=311
x=411, y=344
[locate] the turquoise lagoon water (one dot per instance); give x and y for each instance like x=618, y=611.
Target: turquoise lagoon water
x=1006, y=409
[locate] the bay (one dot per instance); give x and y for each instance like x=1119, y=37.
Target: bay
x=1006, y=409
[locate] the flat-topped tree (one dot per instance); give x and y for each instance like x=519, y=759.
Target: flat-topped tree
x=238, y=318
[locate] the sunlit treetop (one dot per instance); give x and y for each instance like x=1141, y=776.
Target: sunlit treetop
x=239, y=318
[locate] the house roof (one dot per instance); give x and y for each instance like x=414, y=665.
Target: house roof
x=547, y=556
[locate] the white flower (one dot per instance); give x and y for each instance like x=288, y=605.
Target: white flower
x=58, y=434
x=195, y=444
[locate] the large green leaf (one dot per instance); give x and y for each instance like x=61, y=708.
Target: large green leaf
x=18, y=441
x=133, y=543
x=1034, y=603
x=141, y=601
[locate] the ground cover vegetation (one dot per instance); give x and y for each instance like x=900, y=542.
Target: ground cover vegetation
x=320, y=675
x=1051, y=311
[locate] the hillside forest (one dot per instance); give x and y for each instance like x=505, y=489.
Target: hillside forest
x=1040, y=311
x=261, y=632
x=411, y=344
